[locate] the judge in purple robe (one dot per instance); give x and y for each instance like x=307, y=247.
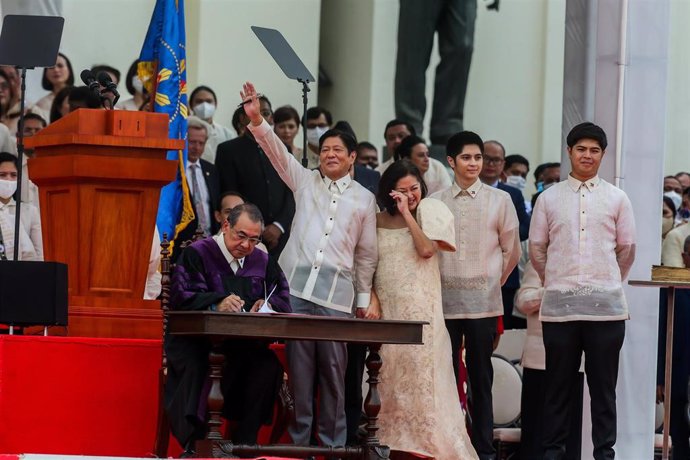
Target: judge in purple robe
x=225, y=273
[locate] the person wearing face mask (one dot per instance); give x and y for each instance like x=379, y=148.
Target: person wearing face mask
x=135, y=87
x=203, y=102
x=546, y=175
x=668, y=217
x=674, y=190
x=515, y=171
x=319, y=120
x=30, y=240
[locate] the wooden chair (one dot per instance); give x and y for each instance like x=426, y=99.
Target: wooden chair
x=285, y=401
x=160, y=448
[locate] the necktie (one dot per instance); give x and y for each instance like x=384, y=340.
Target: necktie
x=198, y=203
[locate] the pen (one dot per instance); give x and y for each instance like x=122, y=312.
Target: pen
x=248, y=100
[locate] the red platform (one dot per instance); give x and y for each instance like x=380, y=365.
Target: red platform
x=78, y=396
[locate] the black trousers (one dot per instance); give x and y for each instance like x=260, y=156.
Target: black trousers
x=479, y=337
x=251, y=380
x=532, y=416
x=510, y=321
x=600, y=341
x=356, y=357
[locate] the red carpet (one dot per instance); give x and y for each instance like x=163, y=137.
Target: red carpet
x=67, y=457
x=78, y=396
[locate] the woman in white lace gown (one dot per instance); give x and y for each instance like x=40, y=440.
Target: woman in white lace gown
x=420, y=411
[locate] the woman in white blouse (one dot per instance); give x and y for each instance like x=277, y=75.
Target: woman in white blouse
x=54, y=79
x=30, y=240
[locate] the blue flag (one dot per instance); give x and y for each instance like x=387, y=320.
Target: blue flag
x=162, y=68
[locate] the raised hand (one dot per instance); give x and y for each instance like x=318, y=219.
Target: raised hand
x=253, y=108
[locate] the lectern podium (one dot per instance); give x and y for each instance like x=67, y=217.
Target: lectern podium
x=99, y=175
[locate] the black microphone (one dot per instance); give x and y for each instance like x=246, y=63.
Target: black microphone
x=90, y=80
x=106, y=82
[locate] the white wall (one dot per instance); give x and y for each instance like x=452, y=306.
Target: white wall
x=677, y=157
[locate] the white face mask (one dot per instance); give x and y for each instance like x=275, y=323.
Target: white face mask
x=518, y=182
x=675, y=197
x=137, y=84
x=7, y=188
x=204, y=110
x=314, y=134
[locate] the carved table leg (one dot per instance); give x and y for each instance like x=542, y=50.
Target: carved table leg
x=372, y=450
x=215, y=405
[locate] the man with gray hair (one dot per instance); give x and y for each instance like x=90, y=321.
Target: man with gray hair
x=225, y=273
x=203, y=182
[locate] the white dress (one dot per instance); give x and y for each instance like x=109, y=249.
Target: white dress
x=420, y=407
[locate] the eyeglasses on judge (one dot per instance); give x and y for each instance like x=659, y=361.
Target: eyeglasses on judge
x=243, y=237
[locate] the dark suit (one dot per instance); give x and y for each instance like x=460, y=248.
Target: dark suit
x=212, y=180
x=367, y=178
x=244, y=168
x=512, y=284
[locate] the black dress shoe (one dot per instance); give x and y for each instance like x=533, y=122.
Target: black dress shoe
x=189, y=449
x=188, y=454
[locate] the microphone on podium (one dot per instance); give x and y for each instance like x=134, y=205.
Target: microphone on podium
x=89, y=80
x=107, y=83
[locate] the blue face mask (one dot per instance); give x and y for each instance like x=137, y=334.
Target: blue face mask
x=540, y=186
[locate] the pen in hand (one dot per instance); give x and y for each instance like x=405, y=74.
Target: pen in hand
x=258, y=95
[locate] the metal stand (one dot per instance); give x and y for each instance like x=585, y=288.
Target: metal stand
x=305, y=90
x=20, y=159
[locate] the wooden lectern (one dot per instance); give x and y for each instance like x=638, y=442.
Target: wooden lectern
x=99, y=175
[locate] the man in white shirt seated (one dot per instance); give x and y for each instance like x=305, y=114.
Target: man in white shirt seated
x=582, y=245
x=329, y=259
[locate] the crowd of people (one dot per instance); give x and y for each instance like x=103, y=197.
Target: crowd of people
x=457, y=245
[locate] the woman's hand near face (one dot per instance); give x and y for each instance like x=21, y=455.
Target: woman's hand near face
x=401, y=201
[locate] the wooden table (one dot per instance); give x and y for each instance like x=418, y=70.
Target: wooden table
x=671, y=287
x=218, y=326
